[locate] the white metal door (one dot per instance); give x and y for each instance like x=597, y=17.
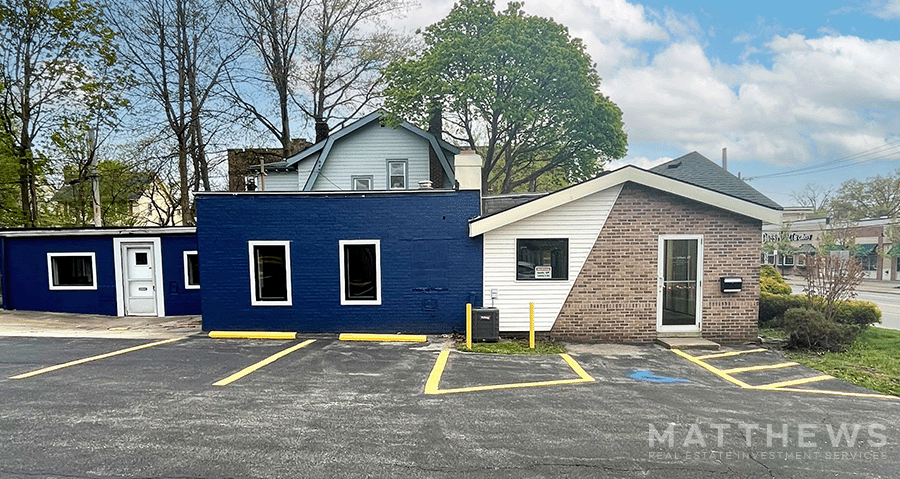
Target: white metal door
x=139, y=280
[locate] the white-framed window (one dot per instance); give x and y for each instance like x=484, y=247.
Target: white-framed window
x=787, y=260
x=361, y=183
x=801, y=260
x=397, y=174
x=191, y=270
x=768, y=258
x=270, y=273
x=72, y=271
x=542, y=259
x=360, y=272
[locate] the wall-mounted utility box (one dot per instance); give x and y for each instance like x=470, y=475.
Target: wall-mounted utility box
x=731, y=284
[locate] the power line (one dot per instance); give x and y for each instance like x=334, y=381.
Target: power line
x=883, y=151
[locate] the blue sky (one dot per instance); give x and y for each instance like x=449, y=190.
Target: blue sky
x=781, y=85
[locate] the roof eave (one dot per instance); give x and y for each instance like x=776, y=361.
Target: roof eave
x=621, y=176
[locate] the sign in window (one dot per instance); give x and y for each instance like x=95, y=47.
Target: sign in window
x=542, y=259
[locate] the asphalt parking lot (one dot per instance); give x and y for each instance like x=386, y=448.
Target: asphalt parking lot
x=331, y=408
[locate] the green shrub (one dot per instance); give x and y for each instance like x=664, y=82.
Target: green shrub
x=770, y=281
x=858, y=313
x=772, y=306
x=808, y=329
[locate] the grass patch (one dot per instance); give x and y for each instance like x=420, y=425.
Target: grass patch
x=514, y=347
x=772, y=333
x=872, y=362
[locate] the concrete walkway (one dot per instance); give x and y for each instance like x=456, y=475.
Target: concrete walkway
x=65, y=325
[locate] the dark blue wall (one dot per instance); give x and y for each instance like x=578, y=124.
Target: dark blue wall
x=430, y=267
x=26, y=285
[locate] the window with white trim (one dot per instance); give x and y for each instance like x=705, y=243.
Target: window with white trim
x=72, y=271
x=191, y=270
x=787, y=260
x=542, y=259
x=270, y=273
x=397, y=174
x=361, y=183
x=801, y=260
x=360, y=272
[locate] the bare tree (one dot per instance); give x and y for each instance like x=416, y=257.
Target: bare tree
x=831, y=278
x=271, y=29
x=813, y=196
x=179, y=54
x=346, y=48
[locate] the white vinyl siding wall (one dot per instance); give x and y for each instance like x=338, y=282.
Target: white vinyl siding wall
x=304, y=168
x=281, y=181
x=579, y=221
x=365, y=153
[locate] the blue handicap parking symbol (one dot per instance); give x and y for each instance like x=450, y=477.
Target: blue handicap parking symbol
x=644, y=375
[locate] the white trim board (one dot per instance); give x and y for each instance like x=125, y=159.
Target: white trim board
x=618, y=177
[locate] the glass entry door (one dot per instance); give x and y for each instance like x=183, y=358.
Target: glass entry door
x=680, y=283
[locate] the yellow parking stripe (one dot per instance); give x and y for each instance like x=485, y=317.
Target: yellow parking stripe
x=93, y=358
x=730, y=353
x=795, y=382
x=249, y=369
x=434, y=379
x=712, y=369
x=760, y=368
x=431, y=386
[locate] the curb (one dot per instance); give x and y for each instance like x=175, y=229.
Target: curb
x=251, y=335
x=420, y=338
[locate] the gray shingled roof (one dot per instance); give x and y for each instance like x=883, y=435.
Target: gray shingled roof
x=496, y=204
x=697, y=170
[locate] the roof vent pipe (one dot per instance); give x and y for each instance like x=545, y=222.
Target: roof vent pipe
x=725, y=159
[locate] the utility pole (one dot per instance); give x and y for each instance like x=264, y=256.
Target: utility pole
x=95, y=178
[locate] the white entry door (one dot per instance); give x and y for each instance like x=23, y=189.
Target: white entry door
x=139, y=277
x=680, y=285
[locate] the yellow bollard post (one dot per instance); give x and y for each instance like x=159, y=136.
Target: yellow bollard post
x=469, y=325
x=531, y=325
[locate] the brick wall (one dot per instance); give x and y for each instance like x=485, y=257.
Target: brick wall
x=614, y=296
x=430, y=268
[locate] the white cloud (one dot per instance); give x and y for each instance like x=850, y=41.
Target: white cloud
x=641, y=162
x=885, y=9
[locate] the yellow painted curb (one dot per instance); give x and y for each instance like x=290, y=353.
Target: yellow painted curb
x=251, y=335
x=421, y=338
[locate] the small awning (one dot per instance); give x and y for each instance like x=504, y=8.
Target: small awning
x=862, y=250
x=894, y=251
x=806, y=249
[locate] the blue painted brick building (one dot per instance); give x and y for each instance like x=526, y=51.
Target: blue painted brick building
x=86, y=271
x=331, y=262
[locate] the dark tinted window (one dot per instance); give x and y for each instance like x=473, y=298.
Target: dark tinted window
x=72, y=271
x=360, y=276
x=271, y=272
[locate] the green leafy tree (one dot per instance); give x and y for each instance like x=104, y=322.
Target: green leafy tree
x=516, y=88
x=120, y=187
x=873, y=198
x=51, y=51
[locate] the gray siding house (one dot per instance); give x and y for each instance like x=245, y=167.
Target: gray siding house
x=367, y=155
